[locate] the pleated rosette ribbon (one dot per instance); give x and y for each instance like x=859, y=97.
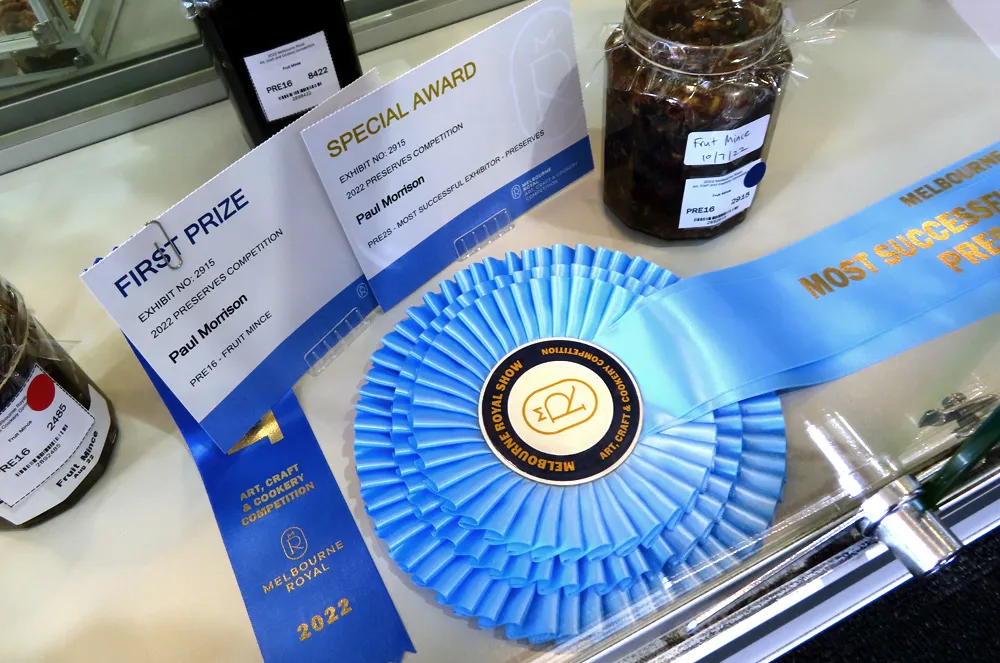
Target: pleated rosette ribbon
x=549, y=562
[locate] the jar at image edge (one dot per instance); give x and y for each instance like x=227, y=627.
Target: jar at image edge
x=57, y=429
x=693, y=89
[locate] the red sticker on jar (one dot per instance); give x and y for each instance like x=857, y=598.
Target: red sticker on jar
x=39, y=431
x=41, y=392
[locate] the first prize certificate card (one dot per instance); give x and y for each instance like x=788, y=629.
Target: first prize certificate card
x=429, y=165
x=225, y=294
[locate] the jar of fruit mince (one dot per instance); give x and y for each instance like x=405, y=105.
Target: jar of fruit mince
x=693, y=88
x=57, y=430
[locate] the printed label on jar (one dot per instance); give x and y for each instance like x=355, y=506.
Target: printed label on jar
x=709, y=201
x=293, y=78
x=65, y=480
x=39, y=431
x=710, y=148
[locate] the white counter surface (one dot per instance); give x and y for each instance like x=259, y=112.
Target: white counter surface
x=137, y=571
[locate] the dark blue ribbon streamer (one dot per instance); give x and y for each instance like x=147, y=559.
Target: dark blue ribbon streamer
x=298, y=615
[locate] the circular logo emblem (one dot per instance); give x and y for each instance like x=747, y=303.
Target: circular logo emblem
x=293, y=543
x=515, y=191
x=560, y=411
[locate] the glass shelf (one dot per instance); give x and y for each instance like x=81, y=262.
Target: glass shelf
x=41, y=39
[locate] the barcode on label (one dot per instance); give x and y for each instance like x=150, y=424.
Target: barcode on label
x=300, y=91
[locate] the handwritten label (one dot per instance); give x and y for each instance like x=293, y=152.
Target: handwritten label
x=709, y=148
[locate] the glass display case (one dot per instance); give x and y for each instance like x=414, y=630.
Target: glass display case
x=859, y=495
x=43, y=38
x=827, y=481
x=794, y=496
x=766, y=494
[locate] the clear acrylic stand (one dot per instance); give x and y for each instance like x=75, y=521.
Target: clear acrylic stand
x=490, y=229
x=336, y=341
x=331, y=346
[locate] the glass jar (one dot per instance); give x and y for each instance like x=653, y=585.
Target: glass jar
x=692, y=97
x=307, y=45
x=57, y=429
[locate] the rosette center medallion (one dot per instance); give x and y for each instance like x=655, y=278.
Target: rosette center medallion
x=560, y=411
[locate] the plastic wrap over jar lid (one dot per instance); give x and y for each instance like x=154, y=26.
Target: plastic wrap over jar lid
x=703, y=36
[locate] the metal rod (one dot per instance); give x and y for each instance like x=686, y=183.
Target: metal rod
x=723, y=605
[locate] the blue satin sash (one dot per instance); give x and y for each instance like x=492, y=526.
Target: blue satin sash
x=310, y=587
x=769, y=325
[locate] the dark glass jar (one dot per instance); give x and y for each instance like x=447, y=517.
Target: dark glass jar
x=57, y=429
x=693, y=88
x=278, y=60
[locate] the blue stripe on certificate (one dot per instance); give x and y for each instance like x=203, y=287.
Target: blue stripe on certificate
x=270, y=380
x=430, y=256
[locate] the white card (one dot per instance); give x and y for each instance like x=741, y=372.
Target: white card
x=66, y=478
x=229, y=290
x=39, y=431
x=709, y=148
x=294, y=77
x=430, y=164
x=709, y=201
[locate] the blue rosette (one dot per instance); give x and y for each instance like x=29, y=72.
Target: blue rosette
x=548, y=561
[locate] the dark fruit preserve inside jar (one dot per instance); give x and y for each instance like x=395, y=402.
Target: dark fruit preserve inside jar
x=57, y=429
x=693, y=88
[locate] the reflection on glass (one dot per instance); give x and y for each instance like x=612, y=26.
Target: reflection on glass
x=856, y=466
x=47, y=42
x=357, y=9
x=16, y=17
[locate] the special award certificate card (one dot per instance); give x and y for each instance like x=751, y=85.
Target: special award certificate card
x=431, y=164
